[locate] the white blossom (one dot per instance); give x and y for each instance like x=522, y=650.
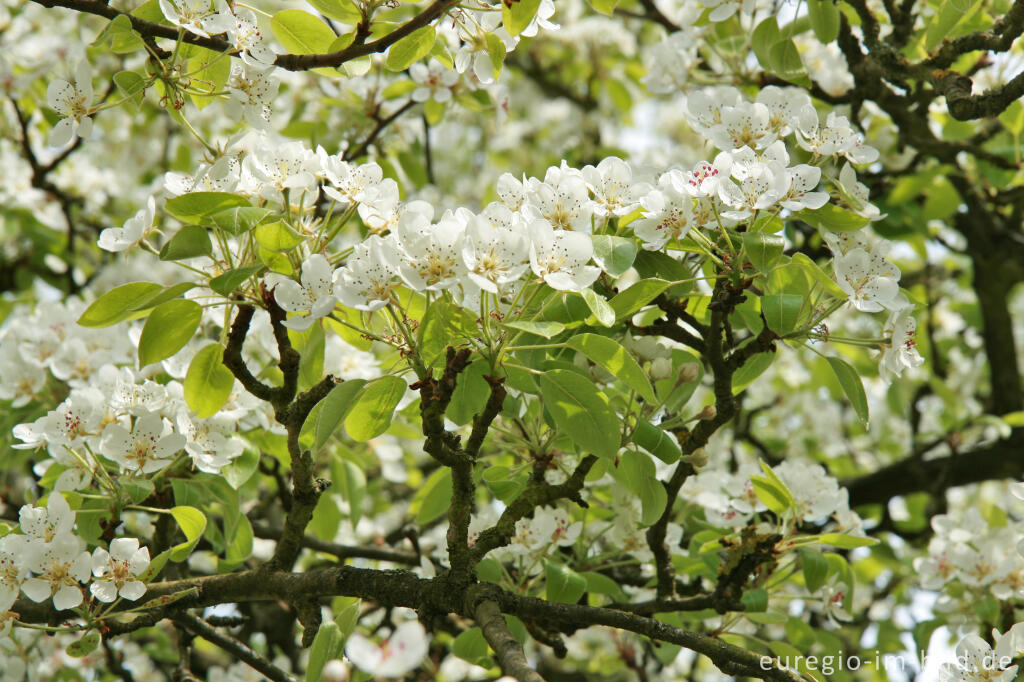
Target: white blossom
x=134, y=231
x=117, y=571
x=399, y=654
x=312, y=297
x=72, y=100
x=559, y=257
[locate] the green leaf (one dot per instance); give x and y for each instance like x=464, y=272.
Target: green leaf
x=765, y=36
x=517, y=16
x=433, y=498
x=605, y=7
x=852, y=386
x=471, y=646
x=117, y=304
x=169, y=327
x=614, y=255
x=604, y=313
x=211, y=71
x=137, y=489
x=637, y=473
x=372, y=414
x=193, y=524
x=786, y=62
x=818, y=275
x=599, y=583
x=763, y=249
x=169, y=294
x=226, y=283
x=546, y=329
x=831, y=217
x=824, y=16
x=781, y=311
x=814, y=567
x=334, y=408
x=238, y=534
x=120, y=35
x=327, y=645
x=193, y=207
x=751, y=370
x=86, y=645
x=277, y=237
x=240, y=219
x=841, y=541
x=239, y=470
x=581, y=411
x=352, y=483
x=755, y=600
x=345, y=11
x=771, y=495
x=562, y=584
x=1012, y=117
x=208, y=382
x=656, y=441
x=637, y=296
x=191, y=241
x=410, y=49
x=616, y=360
x=302, y=33
x=470, y=393
x=496, y=51
x=130, y=85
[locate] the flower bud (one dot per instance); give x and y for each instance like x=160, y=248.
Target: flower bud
x=689, y=372
x=697, y=459
x=334, y=670
x=661, y=368
x=708, y=412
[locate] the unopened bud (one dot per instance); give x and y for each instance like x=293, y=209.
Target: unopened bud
x=708, y=412
x=334, y=670
x=697, y=459
x=661, y=368
x=689, y=372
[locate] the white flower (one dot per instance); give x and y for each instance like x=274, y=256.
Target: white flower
x=704, y=107
x=668, y=214
x=512, y=192
x=147, y=447
x=59, y=567
x=383, y=210
x=123, y=238
x=901, y=352
x=312, y=299
x=251, y=90
x=12, y=569
x=279, y=166
x=351, y=183
x=763, y=187
x=559, y=257
x=494, y=257
x=201, y=17
x=562, y=199
x=669, y=62
x=117, y=569
x=836, y=138
x=402, y=652
x=856, y=194
x=870, y=280
x=815, y=493
x=783, y=106
x=748, y=124
x=244, y=34
x=47, y=523
x=430, y=255
x=367, y=280
x=705, y=178
x=976, y=661
x=210, y=443
x=73, y=100
x=611, y=181
x=723, y=9
x=434, y=79
x=803, y=180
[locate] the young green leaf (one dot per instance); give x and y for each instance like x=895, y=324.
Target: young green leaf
x=616, y=360
x=581, y=411
x=852, y=386
x=170, y=326
x=375, y=408
x=117, y=304
x=208, y=382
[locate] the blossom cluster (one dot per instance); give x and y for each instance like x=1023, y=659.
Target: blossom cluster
x=48, y=560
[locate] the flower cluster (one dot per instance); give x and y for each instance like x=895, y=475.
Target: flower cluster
x=48, y=560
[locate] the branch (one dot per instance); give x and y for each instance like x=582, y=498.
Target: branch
x=291, y=62
x=341, y=552
x=382, y=123
x=234, y=647
x=510, y=653
x=912, y=475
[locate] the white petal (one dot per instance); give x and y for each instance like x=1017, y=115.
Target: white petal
x=104, y=590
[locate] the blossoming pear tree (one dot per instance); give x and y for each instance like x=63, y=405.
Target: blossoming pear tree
x=469, y=340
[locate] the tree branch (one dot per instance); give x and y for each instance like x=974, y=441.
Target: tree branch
x=234, y=647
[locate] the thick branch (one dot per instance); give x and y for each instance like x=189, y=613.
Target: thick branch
x=510, y=653
x=341, y=552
